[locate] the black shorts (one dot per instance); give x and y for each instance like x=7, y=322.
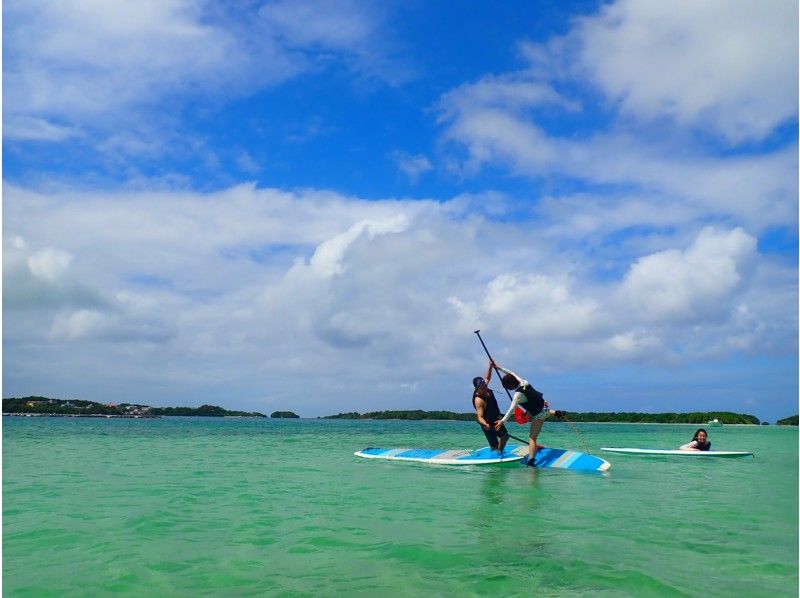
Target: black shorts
x=494, y=437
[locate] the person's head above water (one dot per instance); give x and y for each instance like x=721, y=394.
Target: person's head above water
x=700, y=436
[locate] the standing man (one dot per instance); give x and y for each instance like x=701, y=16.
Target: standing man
x=532, y=401
x=488, y=413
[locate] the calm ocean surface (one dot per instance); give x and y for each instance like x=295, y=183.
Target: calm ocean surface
x=252, y=507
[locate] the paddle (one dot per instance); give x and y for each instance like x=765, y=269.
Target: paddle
x=489, y=355
x=571, y=424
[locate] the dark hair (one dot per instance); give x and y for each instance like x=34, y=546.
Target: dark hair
x=510, y=381
x=698, y=431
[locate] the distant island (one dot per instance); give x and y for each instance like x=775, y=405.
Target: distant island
x=284, y=414
x=416, y=414
x=42, y=406
x=699, y=417
x=695, y=417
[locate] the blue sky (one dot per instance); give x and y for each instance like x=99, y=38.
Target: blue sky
x=312, y=205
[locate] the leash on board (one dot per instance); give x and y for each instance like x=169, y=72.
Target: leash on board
x=581, y=439
x=571, y=424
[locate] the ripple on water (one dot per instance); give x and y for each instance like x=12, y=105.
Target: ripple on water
x=184, y=508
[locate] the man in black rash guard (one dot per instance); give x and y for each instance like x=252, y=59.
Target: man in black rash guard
x=488, y=412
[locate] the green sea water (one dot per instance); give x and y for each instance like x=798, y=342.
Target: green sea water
x=255, y=507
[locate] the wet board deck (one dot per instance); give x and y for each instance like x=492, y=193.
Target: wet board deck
x=677, y=453
x=545, y=457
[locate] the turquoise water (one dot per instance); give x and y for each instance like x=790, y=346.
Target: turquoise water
x=251, y=507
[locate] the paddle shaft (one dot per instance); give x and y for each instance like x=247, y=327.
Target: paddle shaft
x=489, y=355
x=517, y=438
x=572, y=425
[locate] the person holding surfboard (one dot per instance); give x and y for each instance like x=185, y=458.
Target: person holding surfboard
x=700, y=442
x=527, y=405
x=487, y=412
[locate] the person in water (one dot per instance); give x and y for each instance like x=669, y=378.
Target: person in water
x=532, y=402
x=487, y=411
x=700, y=442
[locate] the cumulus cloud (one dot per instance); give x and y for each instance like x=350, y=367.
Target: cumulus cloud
x=49, y=264
x=729, y=66
x=120, y=322
x=41, y=278
x=661, y=303
x=327, y=258
x=635, y=344
x=261, y=285
x=693, y=284
x=539, y=306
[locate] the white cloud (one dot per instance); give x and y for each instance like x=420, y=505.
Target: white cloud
x=634, y=343
x=412, y=166
x=41, y=278
x=690, y=285
x=248, y=289
x=726, y=65
x=756, y=190
x=24, y=128
x=496, y=137
x=670, y=305
x=123, y=323
x=327, y=259
x=353, y=32
x=94, y=67
x=49, y=264
x=342, y=25
x=515, y=92
x=78, y=324
x=538, y=306
x=83, y=60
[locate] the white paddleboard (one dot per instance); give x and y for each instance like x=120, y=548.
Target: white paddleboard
x=677, y=453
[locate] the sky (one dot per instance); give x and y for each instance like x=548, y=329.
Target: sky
x=311, y=206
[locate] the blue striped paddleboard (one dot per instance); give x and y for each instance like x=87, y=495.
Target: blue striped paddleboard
x=545, y=457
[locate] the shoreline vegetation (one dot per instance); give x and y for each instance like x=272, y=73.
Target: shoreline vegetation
x=45, y=407
x=698, y=417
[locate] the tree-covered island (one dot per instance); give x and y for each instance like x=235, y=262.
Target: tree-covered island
x=698, y=417
x=284, y=415
x=41, y=406
x=78, y=408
